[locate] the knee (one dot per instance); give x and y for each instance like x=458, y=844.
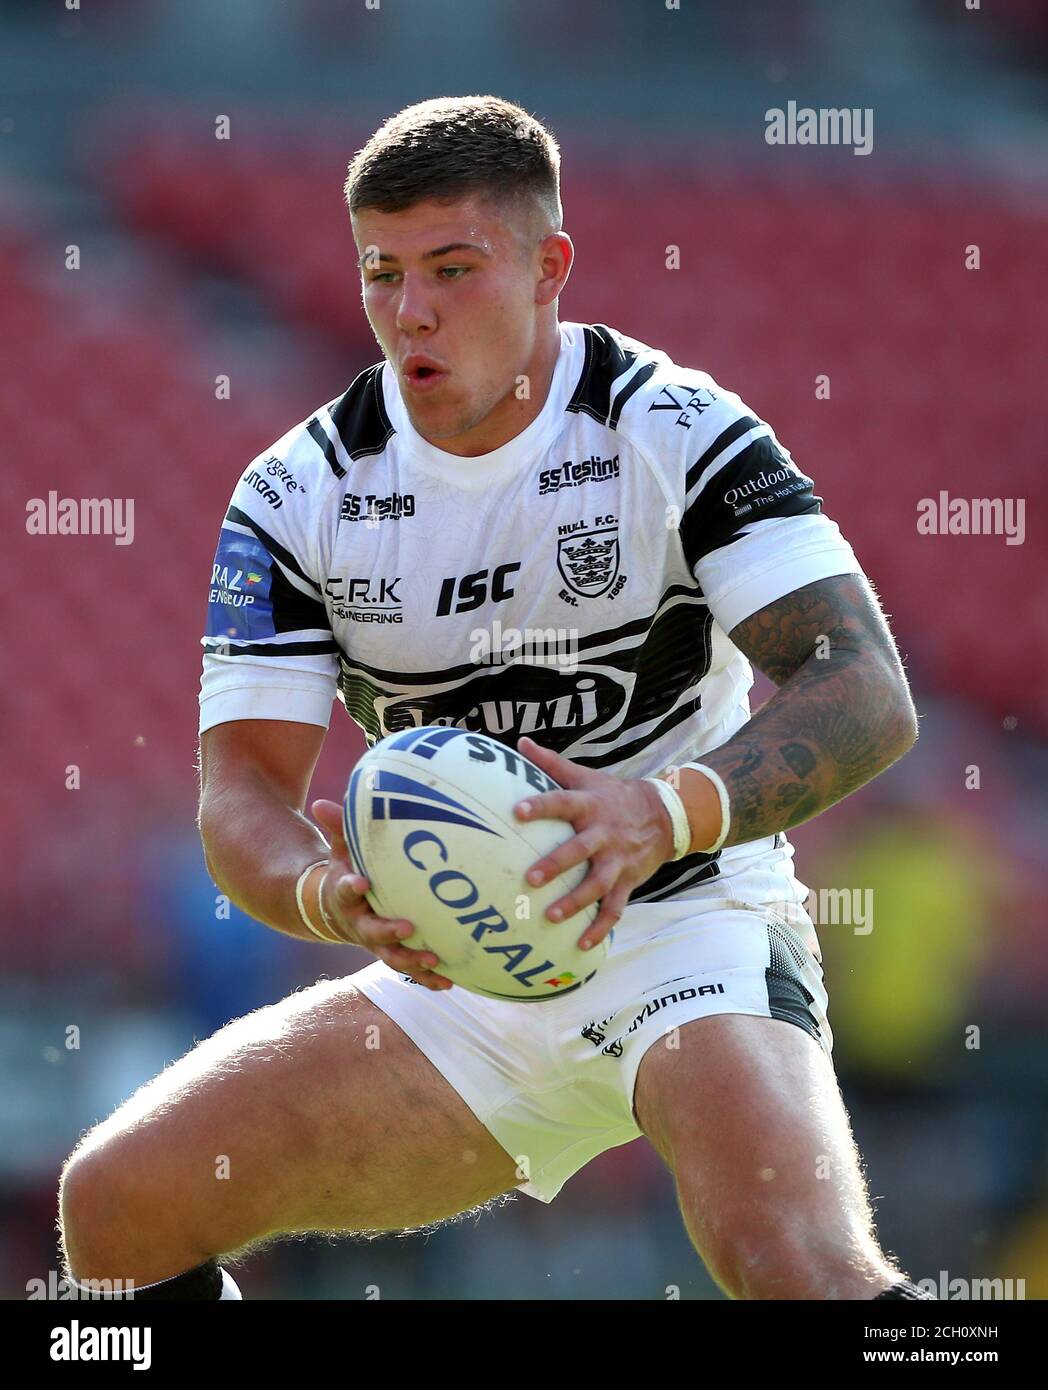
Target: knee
x=90, y=1205
x=114, y=1218
x=752, y=1260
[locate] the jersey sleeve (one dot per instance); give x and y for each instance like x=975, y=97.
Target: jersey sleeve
x=269, y=652
x=752, y=527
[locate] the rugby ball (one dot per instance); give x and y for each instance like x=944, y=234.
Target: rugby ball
x=428, y=817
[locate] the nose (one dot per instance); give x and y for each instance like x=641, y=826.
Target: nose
x=414, y=312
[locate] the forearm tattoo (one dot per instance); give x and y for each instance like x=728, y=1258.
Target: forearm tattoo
x=842, y=714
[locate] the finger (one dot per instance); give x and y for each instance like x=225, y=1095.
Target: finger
x=561, y=805
x=415, y=964
x=344, y=893
x=328, y=815
x=574, y=851
x=558, y=767
x=612, y=906
x=599, y=881
x=375, y=931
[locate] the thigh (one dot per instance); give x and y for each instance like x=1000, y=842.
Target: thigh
x=316, y=1113
x=747, y=1113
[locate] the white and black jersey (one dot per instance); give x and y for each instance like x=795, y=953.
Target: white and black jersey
x=577, y=584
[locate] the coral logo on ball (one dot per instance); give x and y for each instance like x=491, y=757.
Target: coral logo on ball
x=452, y=888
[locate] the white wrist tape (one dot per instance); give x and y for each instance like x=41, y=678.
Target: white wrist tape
x=725, y=804
x=325, y=916
x=678, y=817
x=299, y=888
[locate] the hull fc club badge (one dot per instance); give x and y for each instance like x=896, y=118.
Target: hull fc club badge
x=589, y=561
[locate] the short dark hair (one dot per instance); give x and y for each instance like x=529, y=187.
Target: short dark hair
x=450, y=147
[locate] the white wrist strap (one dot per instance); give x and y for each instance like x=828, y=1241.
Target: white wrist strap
x=725, y=804
x=299, y=888
x=678, y=817
x=325, y=916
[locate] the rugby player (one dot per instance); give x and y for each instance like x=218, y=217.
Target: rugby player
x=501, y=468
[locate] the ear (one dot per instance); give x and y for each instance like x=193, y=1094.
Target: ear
x=556, y=256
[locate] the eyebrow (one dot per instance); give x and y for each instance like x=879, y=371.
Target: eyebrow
x=438, y=251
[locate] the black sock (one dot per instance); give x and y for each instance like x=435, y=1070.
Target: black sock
x=904, y=1290
x=203, y=1282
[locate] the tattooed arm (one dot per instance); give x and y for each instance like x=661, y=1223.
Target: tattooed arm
x=841, y=715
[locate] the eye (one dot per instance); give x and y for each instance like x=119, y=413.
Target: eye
x=382, y=277
x=457, y=271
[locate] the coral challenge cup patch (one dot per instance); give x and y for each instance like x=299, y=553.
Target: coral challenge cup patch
x=240, y=606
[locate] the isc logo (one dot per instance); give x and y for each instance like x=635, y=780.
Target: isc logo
x=472, y=590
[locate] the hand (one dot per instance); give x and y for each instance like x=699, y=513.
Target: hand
x=343, y=889
x=621, y=827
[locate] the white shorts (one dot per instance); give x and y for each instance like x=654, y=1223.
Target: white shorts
x=553, y=1080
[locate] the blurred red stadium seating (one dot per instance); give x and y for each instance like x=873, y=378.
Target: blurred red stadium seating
x=103, y=672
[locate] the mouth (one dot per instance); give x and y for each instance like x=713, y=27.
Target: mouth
x=422, y=375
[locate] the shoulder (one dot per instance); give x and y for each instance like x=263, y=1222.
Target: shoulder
x=307, y=466
x=672, y=414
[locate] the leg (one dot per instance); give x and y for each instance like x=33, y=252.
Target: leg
x=317, y=1113
x=748, y=1116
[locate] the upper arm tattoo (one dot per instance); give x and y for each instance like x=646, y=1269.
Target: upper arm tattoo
x=837, y=617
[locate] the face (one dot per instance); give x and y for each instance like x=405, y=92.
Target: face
x=462, y=299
